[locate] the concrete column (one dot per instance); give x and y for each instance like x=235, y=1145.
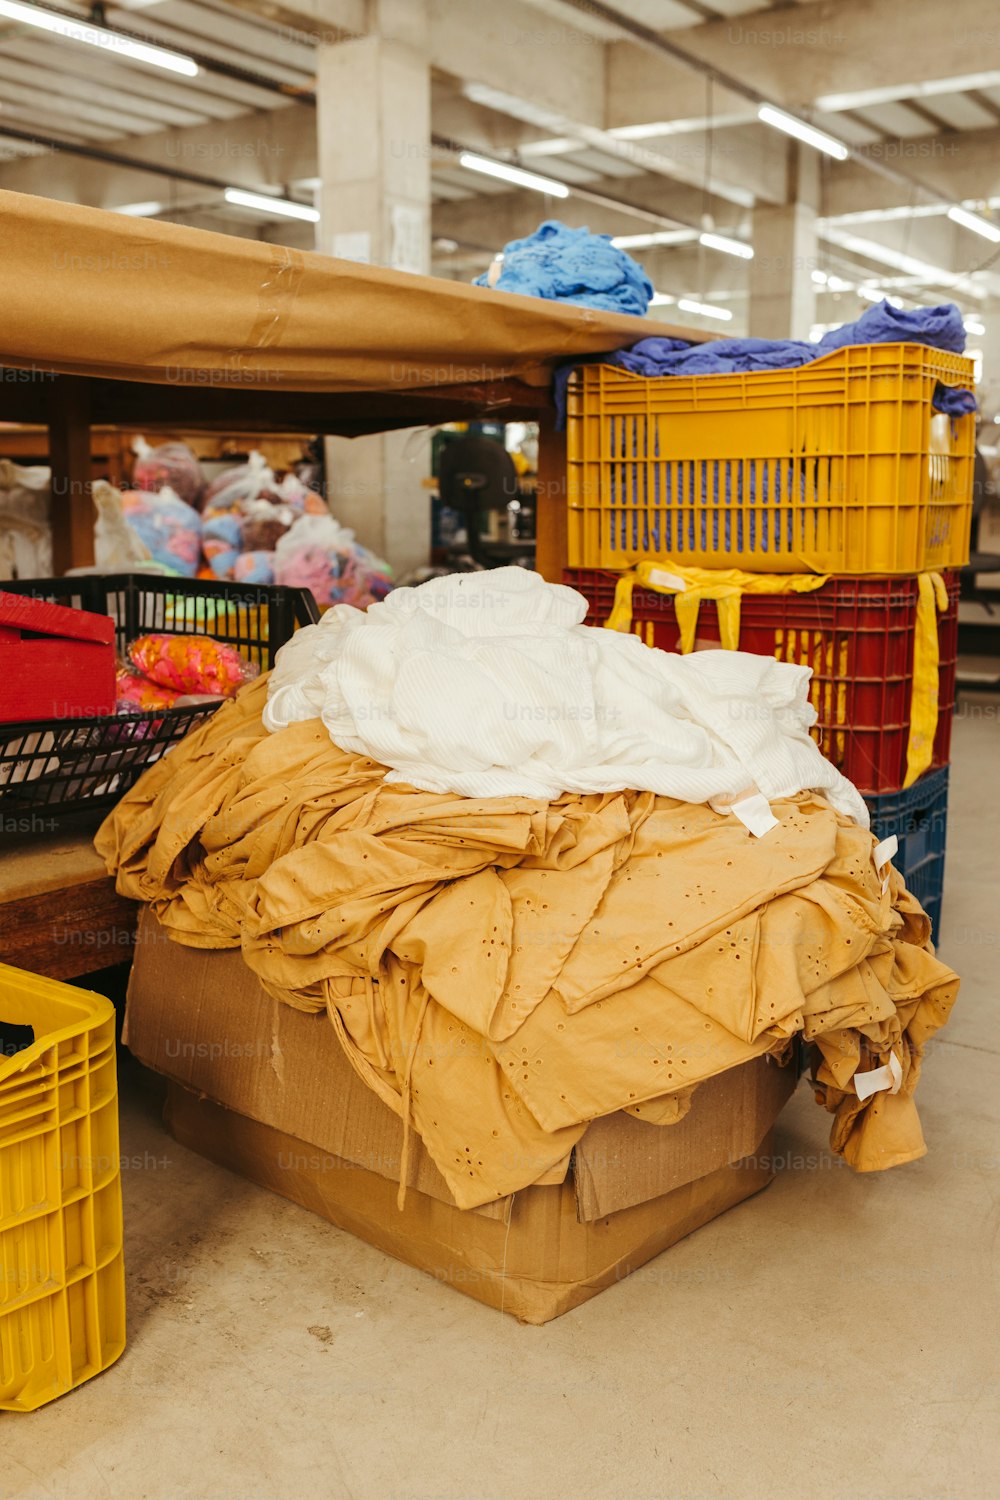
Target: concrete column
x=782, y=291
x=373, y=153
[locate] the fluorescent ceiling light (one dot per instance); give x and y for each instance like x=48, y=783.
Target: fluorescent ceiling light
x=567, y=129
x=879, y=215
x=973, y=325
x=280, y=206
x=863, y=98
x=909, y=264
x=557, y=145
x=820, y=278
x=660, y=237
x=660, y=299
x=803, y=132
x=139, y=210
x=704, y=309
x=517, y=107
x=646, y=132
x=686, y=126
x=726, y=245
x=99, y=36
x=838, y=284
x=974, y=222
x=517, y=175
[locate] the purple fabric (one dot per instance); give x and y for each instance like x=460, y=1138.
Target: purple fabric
x=940, y=327
x=954, y=400
x=658, y=356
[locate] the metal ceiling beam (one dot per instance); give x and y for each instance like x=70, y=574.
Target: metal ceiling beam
x=316, y=20
x=110, y=158
x=588, y=195
x=661, y=46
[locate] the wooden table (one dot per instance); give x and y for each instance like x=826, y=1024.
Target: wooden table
x=59, y=912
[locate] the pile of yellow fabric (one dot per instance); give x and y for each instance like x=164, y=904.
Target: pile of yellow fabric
x=501, y=971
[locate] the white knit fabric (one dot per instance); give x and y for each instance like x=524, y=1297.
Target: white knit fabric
x=488, y=685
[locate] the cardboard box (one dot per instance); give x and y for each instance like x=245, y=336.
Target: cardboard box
x=55, y=662
x=268, y=1091
x=540, y=1264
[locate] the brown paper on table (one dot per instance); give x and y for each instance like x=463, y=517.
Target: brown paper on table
x=87, y=292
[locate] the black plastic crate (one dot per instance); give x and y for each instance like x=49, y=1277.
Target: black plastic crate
x=64, y=765
x=918, y=817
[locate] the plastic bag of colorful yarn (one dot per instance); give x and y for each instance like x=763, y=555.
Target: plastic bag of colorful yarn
x=298, y=495
x=234, y=489
x=221, y=540
x=191, y=664
x=380, y=577
x=365, y=579
x=263, y=524
x=242, y=547
x=321, y=555
x=237, y=489
x=134, y=691
x=170, y=529
x=253, y=567
x=170, y=466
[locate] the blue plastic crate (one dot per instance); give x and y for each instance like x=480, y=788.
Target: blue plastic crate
x=919, y=819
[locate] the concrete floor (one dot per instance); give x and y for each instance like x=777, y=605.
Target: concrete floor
x=835, y=1336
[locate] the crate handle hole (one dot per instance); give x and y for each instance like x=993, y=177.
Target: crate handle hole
x=14, y=1038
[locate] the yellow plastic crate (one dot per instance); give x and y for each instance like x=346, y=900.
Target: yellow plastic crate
x=841, y=466
x=62, y=1293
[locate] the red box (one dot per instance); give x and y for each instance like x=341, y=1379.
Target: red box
x=55, y=662
x=856, y=633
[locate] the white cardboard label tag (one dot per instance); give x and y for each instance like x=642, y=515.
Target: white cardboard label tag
x=755, y=814
x=883, y=852
x=889, y=1077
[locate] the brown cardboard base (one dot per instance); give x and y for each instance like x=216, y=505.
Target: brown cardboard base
x=540, y=1265
x=203, y=1020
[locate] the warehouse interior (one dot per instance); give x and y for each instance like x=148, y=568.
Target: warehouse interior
x=407, y=408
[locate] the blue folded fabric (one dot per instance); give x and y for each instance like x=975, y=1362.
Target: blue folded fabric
x=660, y=356
x=940, y=327
x=954, y=400
x=573, y=265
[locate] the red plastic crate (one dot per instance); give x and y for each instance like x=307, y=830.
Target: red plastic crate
x=857, y=634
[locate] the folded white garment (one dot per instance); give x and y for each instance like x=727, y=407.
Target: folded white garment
x=488, y=685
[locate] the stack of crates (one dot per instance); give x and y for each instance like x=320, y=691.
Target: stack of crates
x=842, y=467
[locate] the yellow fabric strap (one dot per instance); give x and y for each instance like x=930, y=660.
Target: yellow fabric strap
x=620, y=617
x=932, y=599
x=691, y=585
